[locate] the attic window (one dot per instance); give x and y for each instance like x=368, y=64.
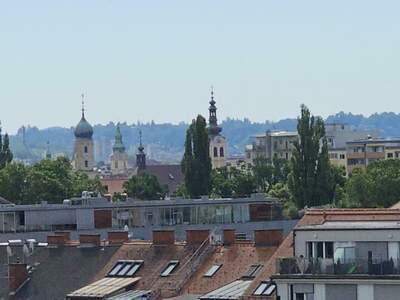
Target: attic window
x=265, y=289
x=125, y=268
x=252, y=271
x=212, y=270
x=169, y=268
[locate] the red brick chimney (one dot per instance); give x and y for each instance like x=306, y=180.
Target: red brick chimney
x=163, y=237
x=93, y=239
x=66, y=234
x=18, y=276
x=117, y=237
x=229, y=236
x=268, y=237
x=56, y=240
x=196, y=236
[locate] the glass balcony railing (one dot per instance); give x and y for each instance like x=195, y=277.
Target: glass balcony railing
x=329, y=266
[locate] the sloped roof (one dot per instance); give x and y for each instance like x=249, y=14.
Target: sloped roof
x=233, y=290
x=170, y=175
x=235, y=260
x=59, y=271
x=4, y=201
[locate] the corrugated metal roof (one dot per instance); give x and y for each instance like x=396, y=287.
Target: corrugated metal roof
x=233, y=290
x=104, y=287
x=131, y=295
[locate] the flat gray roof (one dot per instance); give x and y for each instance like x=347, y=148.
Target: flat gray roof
x=98, y=203
x=352, y=225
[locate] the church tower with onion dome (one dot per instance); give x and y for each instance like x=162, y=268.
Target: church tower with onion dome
x=83, y=157
x=217, y=141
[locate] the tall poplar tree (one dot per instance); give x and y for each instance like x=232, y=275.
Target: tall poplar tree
x=196, y=162
x=6, y=155
x=311, y=181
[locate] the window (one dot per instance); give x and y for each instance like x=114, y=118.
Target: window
x=85, y=149
x=390, y=155
x=287, y=155
x=215, y=152
x=125, y=268
x=116, y=164
x=342, y=156
x=319, y=249
x=212, y=270
x=265, y=289
x=86, y=164
x=221, y=151
x=252, y=271
x=169, y=268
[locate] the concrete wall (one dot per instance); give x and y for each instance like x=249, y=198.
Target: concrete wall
x=50, y=217
x=84, y=219
x=386, y=292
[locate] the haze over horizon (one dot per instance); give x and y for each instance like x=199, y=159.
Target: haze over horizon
x=156, y=60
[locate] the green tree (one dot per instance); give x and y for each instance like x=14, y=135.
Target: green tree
x=281, y=169
x=222, y=185
x=81, y=182
x=310, y=180
x=263, y=172
x=244, y=183
x=50, y=180
x=196, y=162
x=377, y=186
x=13, y=182
x=6, y=155
x=145, y=187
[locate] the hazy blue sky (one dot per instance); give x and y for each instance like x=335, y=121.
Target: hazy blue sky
x=155, y=60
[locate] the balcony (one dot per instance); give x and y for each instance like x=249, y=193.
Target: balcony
x=300, y=266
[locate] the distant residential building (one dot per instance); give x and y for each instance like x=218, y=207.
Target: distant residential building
x=217, y=141
x=337, y=135
x=360, y=153
x=83, y=157
x=271, y=144
x=119, y=158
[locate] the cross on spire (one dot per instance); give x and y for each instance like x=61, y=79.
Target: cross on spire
x=83, y=105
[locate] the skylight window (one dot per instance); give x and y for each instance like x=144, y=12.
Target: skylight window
x=125, y=268
x=212, y=270
x=252, y=271
x=169, y=268
x=265, y=289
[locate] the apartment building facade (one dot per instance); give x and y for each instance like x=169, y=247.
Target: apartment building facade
x=343, y=254
x=271, y=144
x=360, y=153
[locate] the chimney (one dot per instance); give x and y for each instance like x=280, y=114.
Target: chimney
x=196, y=236
x=93, y=239
x=18, y=276
x=163, y=237
x=268, y=237
x=56, y=240
x=118, y=237
x=229, y=236
x=66, y=234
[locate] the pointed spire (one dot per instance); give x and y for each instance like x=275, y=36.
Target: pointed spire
x=213, y=128
x=83, y=105
x=140, y=156
x=141, y=148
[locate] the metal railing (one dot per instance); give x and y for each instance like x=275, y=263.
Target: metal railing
x=329, y=266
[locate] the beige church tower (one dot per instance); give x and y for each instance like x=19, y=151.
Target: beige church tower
x=119, y=158
x=217, y=141
x=83, y=158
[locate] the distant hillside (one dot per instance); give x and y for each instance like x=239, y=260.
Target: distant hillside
x=164, y=142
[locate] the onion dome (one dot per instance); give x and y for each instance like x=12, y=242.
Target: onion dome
x=83, y=129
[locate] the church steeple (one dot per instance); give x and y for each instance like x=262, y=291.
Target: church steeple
x=141, y=155
x=213, y=128
x=118, y=144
